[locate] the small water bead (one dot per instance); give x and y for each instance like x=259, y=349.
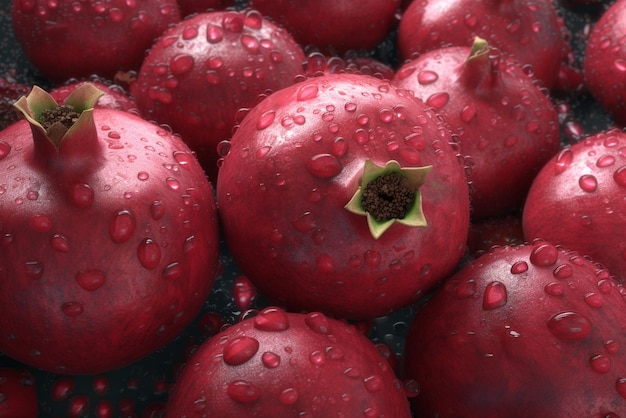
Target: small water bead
x=495, y=296
x=466, y=289
x=59, y=243
x=334, y=353
x=172, y=183
x=40, y=223
x=554, y=289
x=373, y=383
x=563, y=271
x=214, y=34
x=317, y=358
x=307, y=92
x=438, y=100
x=72, y=309
x=620, y=386
x=242, y=391
x=569, y=325
x=519, y=267
x=34, y=269
x=149, y=253
x=270, y=360
x=90, y=279
x=82, y=195
x=588, y=183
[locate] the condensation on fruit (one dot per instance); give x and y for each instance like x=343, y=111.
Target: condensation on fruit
x=569, y=325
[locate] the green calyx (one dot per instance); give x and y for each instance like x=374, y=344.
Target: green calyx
x=58, y=122
x=389, y=194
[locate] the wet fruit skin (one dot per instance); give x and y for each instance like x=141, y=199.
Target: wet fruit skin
x=288, y=364
x=527, y=29
x=526, y=331
x=18, y=394
x=66, y=38
x=604, y=61
x=297, y=159
x=506, y=125
x=200, y=73
x=333, y=26
x=109, y=243
x=577, y=200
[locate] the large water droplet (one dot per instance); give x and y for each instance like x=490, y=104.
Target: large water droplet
x=554, y=289
x=588, y=183
x=122, y=226
x=563, y=160
x=173, y=271
x=40, y=223
x=266, y=119
x=59, y=243
x=149, y=253
x=324, y=165
x=5, y=149
x=425, y=77
x=569, y=326
x=239, y=350
x=519, y=267
x=620, y=176
x=270, y=360
x=307, y=92
x=620, y=386
x=72, y=309
x=317, y=358
x=373, y=383
x=495, y=296
x=288, y=396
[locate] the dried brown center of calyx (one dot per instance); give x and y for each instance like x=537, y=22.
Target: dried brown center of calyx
x=58, y=120
x=387, y=197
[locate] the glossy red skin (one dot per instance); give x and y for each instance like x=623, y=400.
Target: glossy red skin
x=189, y=7
x=318, y=64
x=514, y=359
x=603, y=58
x=560, y=209
x=64, y=42
x=114, y=97
x=432, y=24
x=326, y=368
x=499, y=231
x=18, y=394
x=286, y=226
x=249, y=58
x=505, y=124
x=54, y=317
x=333, y=26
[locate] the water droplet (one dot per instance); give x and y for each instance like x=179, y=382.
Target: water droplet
x=143, y=176
x=324, y=165
x=244, y=293
x=172, y=271
x=307, y=92
x=40, y=223
x=620, y=65
x=495, y=296
x=172, y=183
x=569, y=326
x=605, y=161
x=438, y=100
x=427, y=77
x=611, y=346
x=317, y=322
x=334, y=353
x=122, y=226
x=82, y=195
x=620, y=176
x=325, y=263
x=239, y=350
x=600, y=363
x=149, y=253
x=242, y=391
x=59, y=243
x=468, y=113
x=34, y=269
x=157, y=210
x=90, y=279
x=563, y=160
x=184, y=159
x=250, y=44
x=214, y=34
x=270, y=360
x=554, y=289
x=72, y=309
x=594, y=300
x=288, y=396
x=317, y=358
x=5, y=149
x=519, y=267
x=266, y=119
x=373, y=383
x=620, y=386
x=588, y=183
x=189, y=32
x=271, y=319
x=466, y=289
x=544, y=254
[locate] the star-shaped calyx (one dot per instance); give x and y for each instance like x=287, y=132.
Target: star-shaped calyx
x=389, y=194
